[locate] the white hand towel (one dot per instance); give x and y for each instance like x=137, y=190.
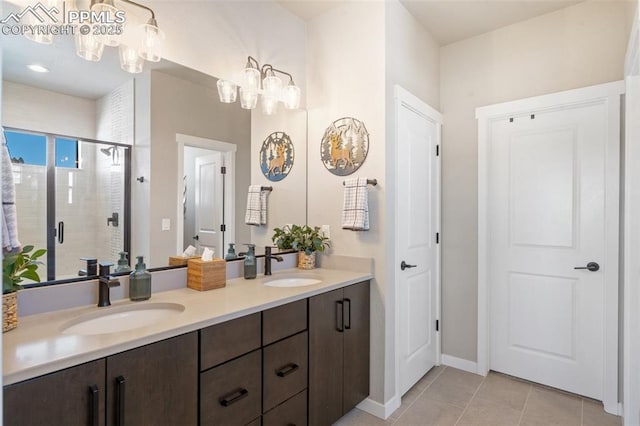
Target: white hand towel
x=256, y=206
x=9, y=215
x=355, y=213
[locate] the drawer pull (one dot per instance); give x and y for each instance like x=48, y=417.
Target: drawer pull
x=95, y=405
x=287, y=369
x=233, y=397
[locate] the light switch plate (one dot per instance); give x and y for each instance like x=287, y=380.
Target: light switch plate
x=326, y=230
x=166, y=224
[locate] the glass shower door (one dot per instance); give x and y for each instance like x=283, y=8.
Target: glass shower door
x=90, y=204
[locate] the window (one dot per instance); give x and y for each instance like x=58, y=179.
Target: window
x=30, y=148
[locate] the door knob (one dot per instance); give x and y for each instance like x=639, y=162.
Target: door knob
x=591, y=266
x=197, y=238
x=404, y=265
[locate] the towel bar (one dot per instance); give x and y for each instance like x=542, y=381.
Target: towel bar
x=373, y=182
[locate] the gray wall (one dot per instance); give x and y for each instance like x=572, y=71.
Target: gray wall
x=186, y=107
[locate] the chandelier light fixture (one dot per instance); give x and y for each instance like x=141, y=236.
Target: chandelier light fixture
x=136, y=43
x=260, y=80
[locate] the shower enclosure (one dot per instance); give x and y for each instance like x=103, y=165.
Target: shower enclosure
x=72, y=198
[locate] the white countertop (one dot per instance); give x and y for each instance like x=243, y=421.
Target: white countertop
x=38, y=346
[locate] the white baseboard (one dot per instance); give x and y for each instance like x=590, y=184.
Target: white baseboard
x=459, y=363
x=382, y=411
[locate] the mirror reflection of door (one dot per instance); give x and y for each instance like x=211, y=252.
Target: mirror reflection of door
x=204, y=199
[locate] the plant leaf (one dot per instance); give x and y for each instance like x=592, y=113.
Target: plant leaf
x=27, y=249
x=36, y=254
x=30, y=275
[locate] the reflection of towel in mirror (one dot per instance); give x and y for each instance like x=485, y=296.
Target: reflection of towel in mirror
x=355, y=213
x=9, y=216
x=256, y=206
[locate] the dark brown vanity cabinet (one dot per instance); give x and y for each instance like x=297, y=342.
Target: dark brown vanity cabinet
x=155, y=384
x=70, y=397
x=253, y=369
x=338, y=352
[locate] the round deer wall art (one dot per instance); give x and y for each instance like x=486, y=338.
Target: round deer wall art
x=344, y=146
x=276, y=156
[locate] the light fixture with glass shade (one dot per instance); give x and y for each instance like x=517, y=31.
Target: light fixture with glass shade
x=40, y=24
x=256, y=80
x=142, y=43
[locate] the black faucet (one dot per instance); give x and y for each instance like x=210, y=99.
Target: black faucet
x=267, y=260
x=92, y=267
x=105, y=282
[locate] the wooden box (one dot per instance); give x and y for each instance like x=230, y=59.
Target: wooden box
x=206, y=275
x=180, y=260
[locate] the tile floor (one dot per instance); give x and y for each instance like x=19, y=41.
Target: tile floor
x=446, y=396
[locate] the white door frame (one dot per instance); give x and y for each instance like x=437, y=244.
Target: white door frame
x=608, y=94
x=403, y=97
x=631, y=275
x=229, y=157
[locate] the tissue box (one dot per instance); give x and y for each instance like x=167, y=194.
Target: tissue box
x=206, y=275
x=180, y=260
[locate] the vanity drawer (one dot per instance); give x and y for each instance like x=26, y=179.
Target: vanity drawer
x=291, y=412
x=231, y=393
x=285, y=370
x=222, y=342
x=284, y=321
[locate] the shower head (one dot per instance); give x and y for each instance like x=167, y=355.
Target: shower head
x=107, y=151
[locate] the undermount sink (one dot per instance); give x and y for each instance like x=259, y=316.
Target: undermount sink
x=294, y=281
x=122, y=318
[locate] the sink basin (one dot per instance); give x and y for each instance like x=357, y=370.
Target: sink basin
x=122, y=318
x=294, y=281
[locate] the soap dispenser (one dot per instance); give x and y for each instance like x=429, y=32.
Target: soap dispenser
x=140, y=282
x=123, y=262
x=231, y=254
x=250, y=269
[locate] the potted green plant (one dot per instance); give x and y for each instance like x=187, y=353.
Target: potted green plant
x=303, y=239
x=17, y=267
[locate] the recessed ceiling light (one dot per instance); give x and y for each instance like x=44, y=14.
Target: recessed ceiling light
x=37, y=68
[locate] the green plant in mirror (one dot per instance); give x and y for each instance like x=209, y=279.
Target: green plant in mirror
x=19, y=266
x=300, y=238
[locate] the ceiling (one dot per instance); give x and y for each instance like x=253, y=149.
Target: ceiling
x=449, y=21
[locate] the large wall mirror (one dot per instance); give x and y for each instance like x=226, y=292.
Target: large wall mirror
x=156, y=141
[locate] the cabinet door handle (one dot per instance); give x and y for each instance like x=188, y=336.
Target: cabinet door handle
x=347, y=325
x=120, y=401
x=95, y=405
x=287, y=369
x=340, y=316
x=234, y=397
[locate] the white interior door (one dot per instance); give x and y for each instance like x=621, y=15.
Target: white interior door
x=208, y=199
x=546, y=216
x=417, y=223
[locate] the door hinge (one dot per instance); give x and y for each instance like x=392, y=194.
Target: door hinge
x=223, y=227
x=437, y=325
x=437, y=150
x=223, y=170
x=437, y=238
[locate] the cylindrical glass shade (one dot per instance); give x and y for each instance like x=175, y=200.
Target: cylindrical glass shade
x=269, y=104
x=291, y=96
x=130, y=60
x=272, y=85
x=152, y=40
x=227, y=91
x=248, y=98
x=107, y=11
x=251, y=78
x=89, y=47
